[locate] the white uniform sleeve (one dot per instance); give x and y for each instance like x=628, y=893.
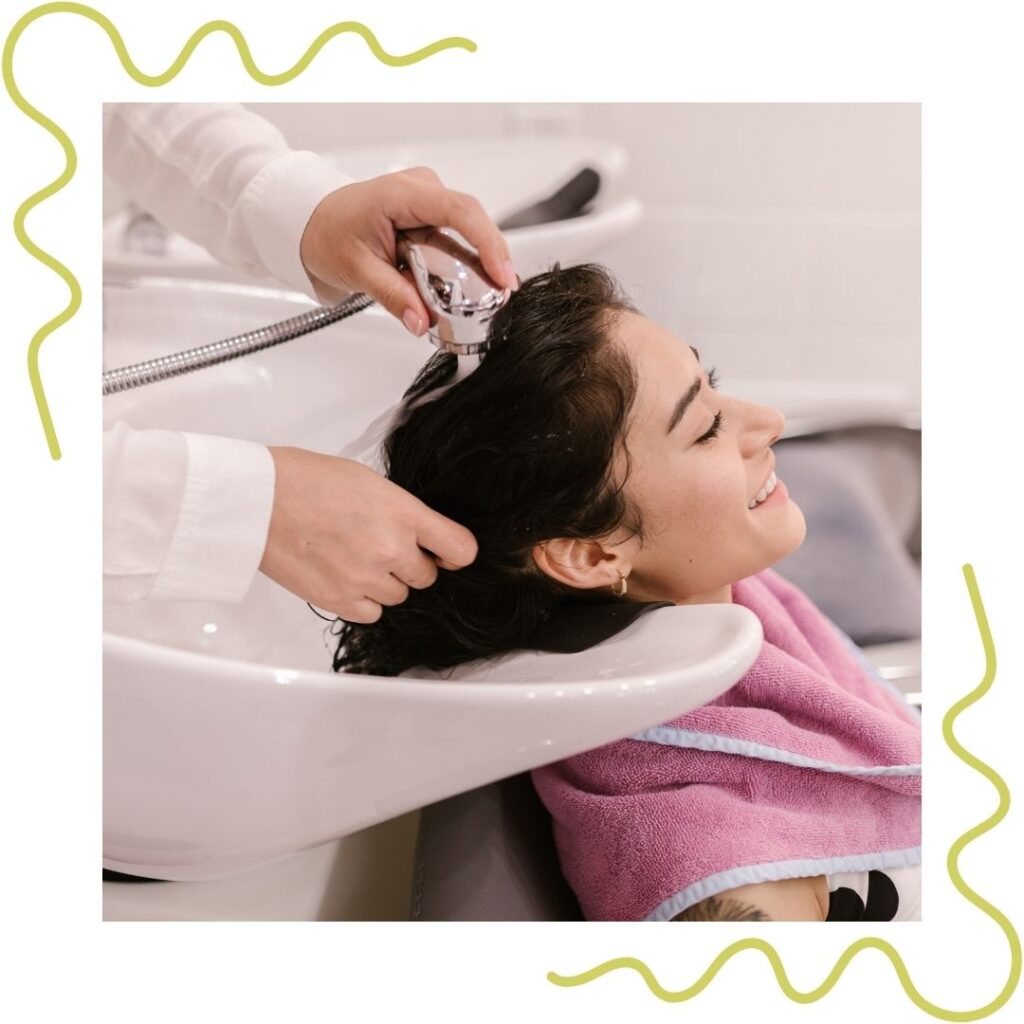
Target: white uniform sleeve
x=222, y=176
x=185, y=516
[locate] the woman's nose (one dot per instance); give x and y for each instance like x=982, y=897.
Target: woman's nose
x=763, y=426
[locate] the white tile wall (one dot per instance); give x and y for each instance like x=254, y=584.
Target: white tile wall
x=800, y=156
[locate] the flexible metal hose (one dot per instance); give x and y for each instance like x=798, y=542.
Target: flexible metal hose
x=439, y=270
x=127, y=377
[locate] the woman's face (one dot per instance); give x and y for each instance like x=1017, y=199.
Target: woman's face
x=698, y=459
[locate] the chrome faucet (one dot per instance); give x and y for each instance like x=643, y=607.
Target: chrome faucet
x=459, y=296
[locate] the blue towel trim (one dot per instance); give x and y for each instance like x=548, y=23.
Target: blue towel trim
x=668, y=736
x=776, y=871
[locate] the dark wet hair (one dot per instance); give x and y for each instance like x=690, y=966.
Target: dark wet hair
x=520, y=451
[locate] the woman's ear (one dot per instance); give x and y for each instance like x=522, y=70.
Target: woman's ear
x=582, y=564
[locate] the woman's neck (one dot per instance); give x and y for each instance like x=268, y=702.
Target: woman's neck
x=722, y=595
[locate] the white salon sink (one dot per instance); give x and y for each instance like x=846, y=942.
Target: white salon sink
x=505, y=174
x=228, y=742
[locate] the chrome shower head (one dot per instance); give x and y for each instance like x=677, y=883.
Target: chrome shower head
x=452, y=282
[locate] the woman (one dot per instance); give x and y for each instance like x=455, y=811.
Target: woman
x=598, y=465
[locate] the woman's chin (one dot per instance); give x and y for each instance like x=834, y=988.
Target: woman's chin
x=783, y=534
x=792, y=534
x=802, y=529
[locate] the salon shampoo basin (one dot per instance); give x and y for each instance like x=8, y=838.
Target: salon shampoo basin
x=228, y=742
x=213, y=764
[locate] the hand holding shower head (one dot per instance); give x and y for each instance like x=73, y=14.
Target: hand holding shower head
x=458, y=294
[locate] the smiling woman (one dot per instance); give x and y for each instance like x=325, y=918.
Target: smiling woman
x=604, y=474
x=701, y=469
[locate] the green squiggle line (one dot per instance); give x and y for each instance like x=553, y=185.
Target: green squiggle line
x=851, y=951
x=128, y=64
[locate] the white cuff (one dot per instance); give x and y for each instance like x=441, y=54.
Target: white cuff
x=222, y=527
x=276, y=206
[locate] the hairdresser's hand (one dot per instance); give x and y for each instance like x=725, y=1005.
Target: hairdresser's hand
x=348, y=541
x=349, y=242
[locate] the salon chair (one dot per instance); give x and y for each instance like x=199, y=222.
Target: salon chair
x=489, y=854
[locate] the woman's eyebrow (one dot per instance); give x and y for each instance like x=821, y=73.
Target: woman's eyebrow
x=683, y=404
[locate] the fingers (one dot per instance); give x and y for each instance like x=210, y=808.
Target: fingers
x=419, y=572
x=396, y=293
x=427, y=174
x=471, y=220
x=436, y=205
x=362, y=611
x=454, y=546
x=387, y=590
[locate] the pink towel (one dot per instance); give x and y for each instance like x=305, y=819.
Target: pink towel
x=807, y=766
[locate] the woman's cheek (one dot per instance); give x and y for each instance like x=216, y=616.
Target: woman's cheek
x=719, y=499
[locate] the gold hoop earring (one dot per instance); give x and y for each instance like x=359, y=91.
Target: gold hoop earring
x=619, y=589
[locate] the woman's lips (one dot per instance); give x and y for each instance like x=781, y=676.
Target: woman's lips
x=777, y=497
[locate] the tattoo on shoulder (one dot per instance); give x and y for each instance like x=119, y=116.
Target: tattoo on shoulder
x=716, y=908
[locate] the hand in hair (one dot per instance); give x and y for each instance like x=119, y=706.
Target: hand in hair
x=349, y=541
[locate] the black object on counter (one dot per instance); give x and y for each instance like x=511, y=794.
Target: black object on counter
x=569, y=201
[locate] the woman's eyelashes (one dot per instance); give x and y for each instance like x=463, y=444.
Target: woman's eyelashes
x=713, y=430
x=713, y=382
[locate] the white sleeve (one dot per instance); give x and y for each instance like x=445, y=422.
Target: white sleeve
x=222, y=176
x=185, y=516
